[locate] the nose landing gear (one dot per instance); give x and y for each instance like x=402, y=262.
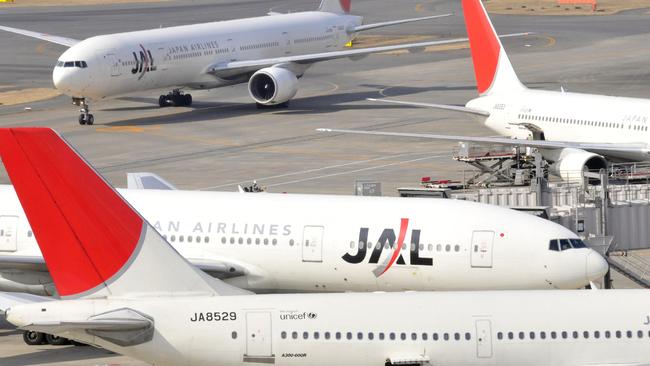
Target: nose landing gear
x=175, y=98
x=85, y=118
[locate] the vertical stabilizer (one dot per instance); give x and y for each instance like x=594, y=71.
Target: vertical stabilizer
x=335, y=6
x=492, y=68
x=93, y=242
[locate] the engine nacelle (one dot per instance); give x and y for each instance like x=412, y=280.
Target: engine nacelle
x=31, y=282
x=569, y=163
x=272, y=85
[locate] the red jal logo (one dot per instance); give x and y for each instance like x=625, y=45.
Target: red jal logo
x=389, y=240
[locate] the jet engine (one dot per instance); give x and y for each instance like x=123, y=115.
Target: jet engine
x=569, y=163
x=31, y=282
x=273, y=85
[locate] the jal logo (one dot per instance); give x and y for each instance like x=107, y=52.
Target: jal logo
x=389, y=241
x=143, y=62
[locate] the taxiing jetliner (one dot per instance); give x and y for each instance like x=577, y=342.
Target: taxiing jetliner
x=270, y=53
x=574, y=131
x=330, y=243
x=125, y=289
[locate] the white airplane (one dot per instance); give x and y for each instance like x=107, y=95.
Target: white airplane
x=328, y=243
x=126, y=290
x=270, y=53
x=574, y=131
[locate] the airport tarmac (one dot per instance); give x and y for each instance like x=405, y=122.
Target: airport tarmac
x=223, y=140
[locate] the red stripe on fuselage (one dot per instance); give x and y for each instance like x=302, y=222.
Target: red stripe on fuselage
x=400, y=241
x=346, y=5
x=85, y=230
x=483, y=43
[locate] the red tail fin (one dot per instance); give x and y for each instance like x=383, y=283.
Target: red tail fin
x=336, y=6
x=93, y=242
x=492, y=67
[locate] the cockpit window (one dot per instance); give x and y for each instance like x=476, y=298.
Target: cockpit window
x=79, y=64
x=558, y=245
x=577, y=243
x=565, y=244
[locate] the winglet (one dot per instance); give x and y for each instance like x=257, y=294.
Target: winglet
x=492, y=68
x=93, y=242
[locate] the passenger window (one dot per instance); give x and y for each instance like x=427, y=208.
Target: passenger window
x=532, y=335
x=283, y=335
x=257, y=241
x=348, y=335
x=553, y=246
x=564, y=335
x=447, y=248
x=457, y=336
x=585, y=334
x=316, y=335
x=414, y=336
x=181, y=238
x=392, y=336
x=338, y=335
x=511, y=335
x=499, y=336
x=291, y=242
x=223, y=240
x=553, y=335
x=446, y=336
x=327, y=335
x=522, y=335
x=189, y=239
x=596, y=334
x=198, y=239
x=371, y=336
x=402, y=336
x=232, y=240
x=629, y=333
x=435, y=336
x=266, y=241
x=381, y=336
x=359, y=336
x=249, y=241
x=425, y=336
x=172, y=238
x=207, y=239
x=275, y=241
x=233, y=335
x=468, y=336
x=240, y=241
x=618, y=334
x=608, y=334
x=575, y=335
x=294, y=335
x=542, y=335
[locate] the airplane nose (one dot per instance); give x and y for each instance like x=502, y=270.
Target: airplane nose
x=596, y=267
x=59, y=79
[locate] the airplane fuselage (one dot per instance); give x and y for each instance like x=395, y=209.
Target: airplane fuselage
x=274, y=242
x=563, y=328
x=124, y=63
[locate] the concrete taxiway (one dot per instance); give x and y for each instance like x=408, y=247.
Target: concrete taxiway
x=223, y=140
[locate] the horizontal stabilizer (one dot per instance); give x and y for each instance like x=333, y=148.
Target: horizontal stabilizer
x=366, y=27
x=147, y=181
x=125, y=327
x=64, y=41
x=447, y=107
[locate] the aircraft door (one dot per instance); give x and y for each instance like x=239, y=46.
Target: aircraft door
x=8, y=233
x=483, y=338
x=232, y=49
x=312, y=244
x=259, y=337
x=111, y=58
x=481, y=251
x=285, y=43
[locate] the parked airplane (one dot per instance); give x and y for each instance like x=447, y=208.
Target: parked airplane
x=128, y=291
x=269, y=53
x=574, y=131
x=333, y=243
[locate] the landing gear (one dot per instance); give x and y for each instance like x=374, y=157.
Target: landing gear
x=272, y=106
x=176, y=98
x=33, y=338
x=38, y=338
x=85, y=118
x=56, y=341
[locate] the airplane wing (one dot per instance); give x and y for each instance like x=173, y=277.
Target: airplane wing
x=147, y=181
x=366, y=27
x=69, y=42
x=455, y=108
x=231, y=68
x=543, y=144
x=222, y=268
x=8, y=300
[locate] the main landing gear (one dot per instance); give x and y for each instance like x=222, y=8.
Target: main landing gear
x=175, y=98
x=85, y=118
